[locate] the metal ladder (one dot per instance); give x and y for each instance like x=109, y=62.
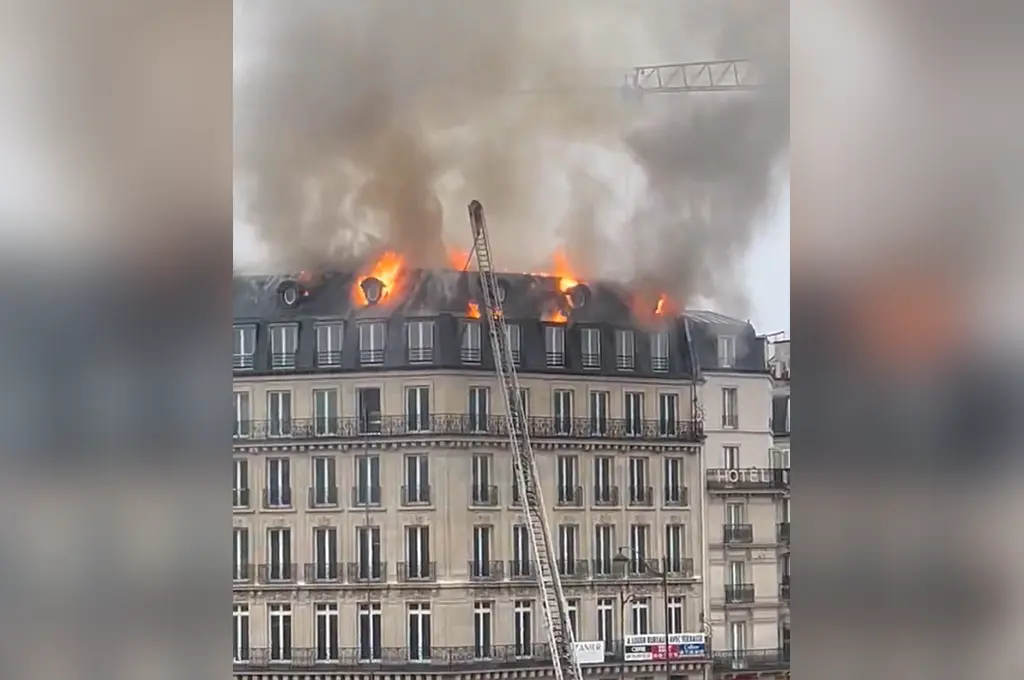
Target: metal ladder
x=561, y=637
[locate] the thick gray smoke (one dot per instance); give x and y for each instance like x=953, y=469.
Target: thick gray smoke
x=371, y=124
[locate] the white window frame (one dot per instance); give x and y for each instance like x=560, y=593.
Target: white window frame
x=368, y=484
x=675, y=480
x=479, y=408
x=326, y=412
x=279, y=554
x=640, y=616
x=659, y=352
x=567, y=478
x=372, y=340
x=521, y=560
x=245, y=335
x=522, y=623
x=368, y=536
x=373, y=649
x=606, y=620
x=419, y=615
x=633, y=410
x=240, y=489
x=675, y=548
x=562, y=400
x=243, y=414
x=676, y=623
x=329, y=649
x=330, y=338
x=472, y=342
x=625, y=350
x=572, y=610
x=417, y=408
x=568, y=548
x=730, y=407
x=726, y=351
x=731, y=457
x=280, y=419
x=483, y=550
x=515, y=339
x=325, y=553
x=735, y=514
x=418, y=565
x=590, y=347
x=736, y=573
x=279, y=477
x=604, y=480
x=242, y=631
x=604, y=549
x=420, y=341
x=280, y=648
x=639, y=545
x=284, y=344
x=668, y=414
x=600, y=401
x=483, y=629
x=240, y=548
x=554, y=346
x=737, y=637
x=639, y=479
x=324, y=475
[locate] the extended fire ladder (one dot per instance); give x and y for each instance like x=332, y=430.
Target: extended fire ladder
x=561, y=637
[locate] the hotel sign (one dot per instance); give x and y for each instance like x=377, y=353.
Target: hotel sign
x=752, y=479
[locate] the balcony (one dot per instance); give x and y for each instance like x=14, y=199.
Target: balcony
x=641, y=496
x=782, y=532
x=323, y=497
x=487, y=571
x=521, y=569
x=742, y=593
x=485, y=496
x=606, y=496
x=570, y=497
x=606, y=568
x=750, y=660
x=357, y=428
x=737, y=534
x=398, y=659
x=277, y=572
x=417, y=494
x=240, y=499
x=748, y=479
x=323, y=572
x=243, y=573
x=574, y=569
x=677, y=496
x=646, y=568
x=277, y=499
x=367, y=572
x=414, y=572
x=366, y=496
x=678, y=567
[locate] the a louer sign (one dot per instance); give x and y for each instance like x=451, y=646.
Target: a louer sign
x=653, y=647
x=589, y=652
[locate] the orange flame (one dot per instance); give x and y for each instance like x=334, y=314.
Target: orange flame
x=555, y=316
x=473, y=310
x=563, y=271
x=458, y=259
x=388, y=269
x=659, y=309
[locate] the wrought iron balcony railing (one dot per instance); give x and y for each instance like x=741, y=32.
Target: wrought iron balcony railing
x=574, y=569
x=737, y=533
x=493, y=570
x=323, y=496
x=540, y=427
x=366, y=496
x=641, y=496
x=409, y=572
x=521, y=569
x=279, y=498
x=277, y=572
x=416, y=494
x=367, y=572
x=240, y=498
x=569, y=496
x=323, y=572
x=606, y=496
x=676, y=496
x=783, y=532
x=751, y=660
x=742, y=593
x=485, y=495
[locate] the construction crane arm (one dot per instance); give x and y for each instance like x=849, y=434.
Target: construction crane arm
x=725, y=75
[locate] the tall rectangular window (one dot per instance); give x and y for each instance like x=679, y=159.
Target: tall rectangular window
x=482, y=491
x=479, y=409
x=367, y=489
x=737, y=637
x=606, y=621
x=326, y=633
x=245, y=347
x=599, y=401
x=730, y=407
x=726, y=351
x=369, y=565
x=240, y=631
x=676, y=615
x=243, y=415
x=480, y=564
x=634, y=406
x=371, y=343
x=568, y=549
x=329, y=336
x=368, y=410
x=567, y=480
x=419, y=631
x=639, y=543
x=417, y=553
x=590, y=345
x=371, y=632
x=240, y=552
x=279, y=620
x=284, y=343
x=554, y=346
x=325, y=554
x=471, y=342
x=625, y=350
x=604, y=549
x=735, y=514
x=572, y=610
x=278, y=493
x=324, y=492
x=483, y=630
x=325, y=412
x=520, y=551
x=240, y=484
x=279, y=413
x=416, y=490
x=675, y=482
x=675, y=548
x=279, y=554
x=421, y=341
x=659, y=352
x=668, y=414
x=736, y=573
x=523, y=625
x=640, y=616
x=515, y=337
x=731, y=456
x=605, y=491
x=563, y=411
x=639, y=482
x=417, y=409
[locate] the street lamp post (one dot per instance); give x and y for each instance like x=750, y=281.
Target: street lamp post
x=622, y=560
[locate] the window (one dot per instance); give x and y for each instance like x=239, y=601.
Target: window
x=675, y=549
x=279, y=554
x=367, y=490
x=572, y=608
x=483, y=630
x=736, y=573
x=325, y=482
x=676, y=615
x=780, y=416
x=329, y=338
x=590, y=341
x=568, y=544
x=325, y=413
x=521, y=551
x=325, y=554
x=675, y=485
x=515, y=342
x=659, y=352
x=280, y=631
x=516, y=500
x=417, y=409
x=726, y=351
x=567, y=473
x=421, y=341
x=668, y=414
x=634, y=402
x=554, y=346
x=605, y=492
x=735, y=514
x=240, y=631
x=368, y=554
x=471, y=342
x=368, y=407
x=737, y=637
x=419, y=631
x=731, y=456
x=784, y=510
x=523, y=623
x=284, y=341
x=524, y=398
x=606, y=621
x=479, y=408
x=481, y=490
x=417, y=553
x=279, y=410
x=371, y=635
x=480, y=567
x=243, y=415
x=245, y=346
x=599, y=412
x=563, y=411
x=625, y=350
x=779, y=459
x=240, y=490
x=730, y=417
x=639, y=539
x=640, y=616
x=604, y=549
x=327, y=637
x=639, y=489
x=278, y=493
x=240, y=551
x=371, y=343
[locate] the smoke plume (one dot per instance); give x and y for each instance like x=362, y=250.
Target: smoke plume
x=369, y=125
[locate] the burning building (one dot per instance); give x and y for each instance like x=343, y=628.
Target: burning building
x=366, y=425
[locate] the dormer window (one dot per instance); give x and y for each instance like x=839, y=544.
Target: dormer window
x=514, y=342
x=659, y=352
x=554, y=346
x=471, y=339
x=371, y=343
x=329, y=336
x=284, y=343
x=245, y=347
x=625, y=350
x=590, y=344
x=726, y=351
x=421, y=341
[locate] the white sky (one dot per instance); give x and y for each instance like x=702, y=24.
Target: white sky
x=767, y=271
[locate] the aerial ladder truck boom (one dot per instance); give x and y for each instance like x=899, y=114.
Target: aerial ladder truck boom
x=561, y=637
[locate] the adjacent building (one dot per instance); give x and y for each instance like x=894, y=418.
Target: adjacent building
x=376, y=525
